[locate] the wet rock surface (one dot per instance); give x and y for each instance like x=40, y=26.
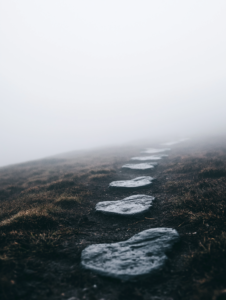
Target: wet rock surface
x=153, y=150
x=151, y=157
x=133, y=183
x=129, y=206
x=175, y=142
x=143, y=254
x=142, y=166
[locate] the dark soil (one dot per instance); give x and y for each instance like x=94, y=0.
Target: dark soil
x=47, y=215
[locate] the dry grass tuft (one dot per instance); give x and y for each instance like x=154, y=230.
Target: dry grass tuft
x=98, y=176
x=212, y=173
x=67, y=201
x=31, y=219
x=61, y=185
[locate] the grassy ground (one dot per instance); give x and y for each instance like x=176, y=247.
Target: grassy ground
x=47, y=217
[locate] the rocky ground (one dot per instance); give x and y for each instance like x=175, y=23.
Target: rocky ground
x=47, y=217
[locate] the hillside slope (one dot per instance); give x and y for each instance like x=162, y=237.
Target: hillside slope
x=47, y=217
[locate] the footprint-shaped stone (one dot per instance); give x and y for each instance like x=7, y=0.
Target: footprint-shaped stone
x=152, y=150
x=133, y=183
x=141, y=255
x=175, y=142
x=130, y=206
x=142, y=166
x=152, y=157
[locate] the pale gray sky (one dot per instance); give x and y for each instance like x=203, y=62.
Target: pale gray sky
x=80, y=74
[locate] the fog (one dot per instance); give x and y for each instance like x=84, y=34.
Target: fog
x=84, y=74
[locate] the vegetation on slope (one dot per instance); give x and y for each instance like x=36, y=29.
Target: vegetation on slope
x=47, y=217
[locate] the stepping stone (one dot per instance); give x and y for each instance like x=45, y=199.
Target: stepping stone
x=130, y=206
x=152, y=157
x=175, y=142
x=152, y=150
x=143, y=254
x=142, y=166
x=133, y=183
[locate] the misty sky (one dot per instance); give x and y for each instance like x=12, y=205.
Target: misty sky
x=81, y=74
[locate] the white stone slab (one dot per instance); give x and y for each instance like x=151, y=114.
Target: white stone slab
x=130, y=206
x=133, y=183
x=175, y=142
x=152, y=150
x=146, y=158
x=141, y=255
x=142, y=166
